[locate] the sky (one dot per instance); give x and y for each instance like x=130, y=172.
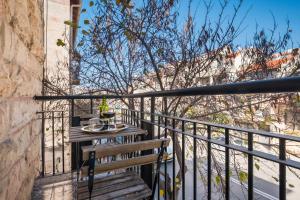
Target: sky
x=259, y=13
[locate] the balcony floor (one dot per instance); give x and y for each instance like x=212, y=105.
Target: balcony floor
x=59, y=187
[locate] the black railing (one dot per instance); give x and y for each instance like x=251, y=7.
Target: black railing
x=53, y=139
x=201, y=133
x=177, y=126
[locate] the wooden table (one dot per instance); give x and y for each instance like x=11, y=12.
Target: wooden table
x=77, y=135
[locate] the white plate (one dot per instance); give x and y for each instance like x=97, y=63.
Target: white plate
x=119, y=127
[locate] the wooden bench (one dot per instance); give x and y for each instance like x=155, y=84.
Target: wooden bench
x=127, y=185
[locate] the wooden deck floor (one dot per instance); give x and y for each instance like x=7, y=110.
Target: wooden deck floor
x=58, y=187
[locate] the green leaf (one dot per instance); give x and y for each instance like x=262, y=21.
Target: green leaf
x=91, y=3
x=129, y=36
x=59, y=42
x=86, y=21
x=84, y=32
x=291, y=185
x=83, y=10
x=218, y=180
x=275, y=178
x=230, y=172
x=161, y=192
x=80, y=44
x=243, y=176
x=70, y=23
x=256, y=166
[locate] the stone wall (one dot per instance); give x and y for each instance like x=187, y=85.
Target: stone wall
x=21, y=61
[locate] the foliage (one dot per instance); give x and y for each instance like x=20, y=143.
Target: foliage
x=221, y=118
x=103, y=107
x=243, y=176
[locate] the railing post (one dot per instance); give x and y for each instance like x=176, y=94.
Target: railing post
x=142, y=112
x=63, y=141
x=166, y=170
x=250, y=166
x=183, y=159
x=53, y=147
x=158, y=136
x=165, y=103
x=195, y=161
x=209, y=163
x=91, y=106
x=43, y=144
x=282, y=170
x=72, y=108
x=146, y=170
x=173, y=159
x=227, y=166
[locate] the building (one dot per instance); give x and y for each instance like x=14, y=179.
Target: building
x=28, y=54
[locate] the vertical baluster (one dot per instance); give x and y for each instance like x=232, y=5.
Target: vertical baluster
x=208, y=163
x=183, y=159
x=173, y=159
x=195, y=161
x=137, y=119
x=122, y=116
x=142, y=112
x=250, y=167
x=63, y=141
x=147, y=170
x=43, y=143
x=165, y=165
x=282, y=170
x=131, y=117
x=141, y=122
x=152, y=118
x=158, y=136
x=91, y=106
x=72, y=108
x=53, y=147
x=227, y=166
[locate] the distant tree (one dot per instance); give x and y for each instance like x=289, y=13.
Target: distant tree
x=127, y=42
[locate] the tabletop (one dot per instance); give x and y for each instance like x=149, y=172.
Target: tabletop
x=77, y=135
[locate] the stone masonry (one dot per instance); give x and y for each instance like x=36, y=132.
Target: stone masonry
x=21, y=68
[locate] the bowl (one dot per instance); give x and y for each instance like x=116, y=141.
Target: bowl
x=108, y=114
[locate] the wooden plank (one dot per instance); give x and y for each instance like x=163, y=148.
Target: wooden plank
x=107, y=178
x=109, y=149
x=103, y=184
x=121, y=164
x=137, y=195
x=107, y=187
x=122, y=193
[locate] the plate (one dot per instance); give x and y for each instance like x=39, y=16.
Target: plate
x=102, y=129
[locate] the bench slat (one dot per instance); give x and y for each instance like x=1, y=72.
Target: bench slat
x=104, y=150
x=121, y=164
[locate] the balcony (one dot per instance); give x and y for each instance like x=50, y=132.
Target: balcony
x=205, y=160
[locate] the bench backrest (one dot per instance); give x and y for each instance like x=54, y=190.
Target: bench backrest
x=105, y=150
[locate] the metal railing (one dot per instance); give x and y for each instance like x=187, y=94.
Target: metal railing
x=177, y=125
x=174, y=126
x=53, y=139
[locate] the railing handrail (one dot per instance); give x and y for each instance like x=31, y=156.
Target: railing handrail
x=278, y=85
x=224, y=126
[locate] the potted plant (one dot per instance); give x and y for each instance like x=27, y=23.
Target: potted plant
x=104, y=109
